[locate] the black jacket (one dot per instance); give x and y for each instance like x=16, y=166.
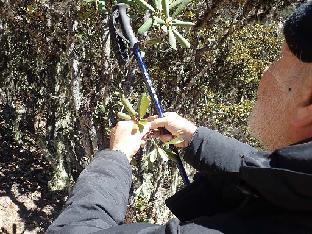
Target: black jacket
x=237, y=190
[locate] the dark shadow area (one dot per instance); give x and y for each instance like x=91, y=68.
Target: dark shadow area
x=24, y=172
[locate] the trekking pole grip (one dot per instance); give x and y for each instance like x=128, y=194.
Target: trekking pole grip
x=126, y=25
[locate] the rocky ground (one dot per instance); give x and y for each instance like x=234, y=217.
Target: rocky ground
x=26, y=204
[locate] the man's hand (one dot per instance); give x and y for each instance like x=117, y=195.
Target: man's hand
x=123, y=138
x=177, y=126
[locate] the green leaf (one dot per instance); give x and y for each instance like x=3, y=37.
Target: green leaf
x=166, y=7
x=172, y=39
x=146, y=26
x=182, y=23
x=174, y=141
x=153, y=155
x=164, y=28
x=181, y=39
x=141, y=127
x=102, y=6
x=101, y=108
x=123, y=116
x=171, y=155
x=177, y=2
x=142, y=123
x=133, y=162
x=180, y=8
x=153, y=41
x=162, y=154
x=128, y=106
x=158, y=5
x=159, y=20
x=144, y=105
x=144, y=3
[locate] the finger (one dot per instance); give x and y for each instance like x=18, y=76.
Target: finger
x=154, y=134
x=113, y=133
x=143, y=143
x=125, y=123
x=124, y=126
x=152, y=118
x=113, y=130
x=128, y=127
x=170, y=113
x=112, y=136
x=145, y=137
x=166, y=138
x=159, y=123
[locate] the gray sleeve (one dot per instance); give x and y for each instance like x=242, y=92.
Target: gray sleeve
x=99, y=198
x=211, y=151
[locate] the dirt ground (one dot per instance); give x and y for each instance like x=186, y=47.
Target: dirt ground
x=26, y=204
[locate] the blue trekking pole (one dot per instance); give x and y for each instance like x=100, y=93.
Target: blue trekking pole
x=123, y=31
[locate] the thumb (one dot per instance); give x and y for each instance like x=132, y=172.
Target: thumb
x=159, y=123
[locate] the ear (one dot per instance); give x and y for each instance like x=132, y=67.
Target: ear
x=303, y=116
x=303, y=110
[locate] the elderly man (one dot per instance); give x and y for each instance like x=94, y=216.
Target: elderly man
x=237, y=189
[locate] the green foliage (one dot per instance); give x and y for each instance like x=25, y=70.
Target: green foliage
x=146, y=26
x=137, y=117
x=159, y=150
x=127, y=105
x=99, y=4
x=161, y=19
x=248, y=60
x=144, y=105
x=174, y=141
x=123, y=116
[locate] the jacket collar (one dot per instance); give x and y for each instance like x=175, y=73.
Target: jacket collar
x=296, y=157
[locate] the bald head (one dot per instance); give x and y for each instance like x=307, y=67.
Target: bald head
x=282, y=114
x=285, y=88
